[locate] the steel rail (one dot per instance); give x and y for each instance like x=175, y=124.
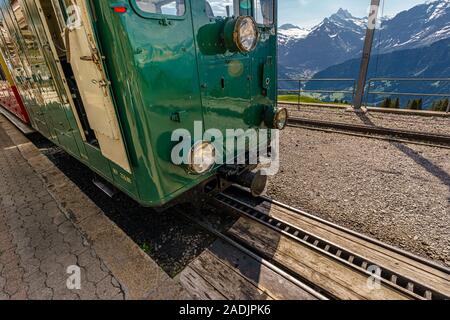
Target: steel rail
x=405, y=134
x=390, y=278
x=424, y=261
x=361, y=135
x=255, y=256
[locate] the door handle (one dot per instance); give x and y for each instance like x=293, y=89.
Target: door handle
x=67, y=39
x=87, y=58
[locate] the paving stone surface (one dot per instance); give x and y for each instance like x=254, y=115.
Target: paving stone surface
x=41, y=250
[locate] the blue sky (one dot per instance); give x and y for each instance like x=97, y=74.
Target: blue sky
x=307, y=13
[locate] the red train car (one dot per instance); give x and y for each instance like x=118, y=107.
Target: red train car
x=9, y=96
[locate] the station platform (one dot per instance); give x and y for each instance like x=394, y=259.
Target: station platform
x=55, y=243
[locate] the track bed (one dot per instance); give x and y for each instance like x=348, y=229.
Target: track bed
x=303, y=251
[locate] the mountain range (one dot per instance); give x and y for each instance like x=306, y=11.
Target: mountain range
x=340, y=37
x=432, y=61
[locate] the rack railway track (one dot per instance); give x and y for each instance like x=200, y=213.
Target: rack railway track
x=324, y=260
x=391, y=134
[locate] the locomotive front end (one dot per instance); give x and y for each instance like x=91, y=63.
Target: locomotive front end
x=196, y=87
x=236, y=53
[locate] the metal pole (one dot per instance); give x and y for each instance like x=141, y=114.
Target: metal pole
x=370, y=33
x=367, y=94
x=354, y=92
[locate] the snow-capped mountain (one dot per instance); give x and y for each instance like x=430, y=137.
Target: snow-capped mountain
x=420, y=26
x=288, y=33
x=340, y=37
x=432, y=61
x=332, y=41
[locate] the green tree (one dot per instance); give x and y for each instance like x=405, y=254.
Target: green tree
x=386, y=103
x=437, y=105
x=397, y=103
x=420, y=104
x=434, y=105
x=409, y=104
x=440, y=105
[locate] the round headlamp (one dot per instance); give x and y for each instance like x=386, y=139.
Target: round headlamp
x=241, y=34
x=281, y=118
x=276, y=118
x=202, y=157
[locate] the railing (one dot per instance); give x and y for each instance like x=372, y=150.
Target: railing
x=300, y=91
x=374, y=87
x=371, y=86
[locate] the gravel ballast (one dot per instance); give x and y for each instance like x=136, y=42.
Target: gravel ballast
x=397, y=193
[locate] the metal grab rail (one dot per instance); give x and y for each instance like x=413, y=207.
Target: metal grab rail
x=370, y=88
x=299, y=91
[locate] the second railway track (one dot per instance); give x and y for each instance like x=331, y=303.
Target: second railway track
x=325, y=260
x=392, y=134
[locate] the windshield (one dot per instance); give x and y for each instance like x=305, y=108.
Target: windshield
x=263, y=10
x=167, y=7
x=220, y=8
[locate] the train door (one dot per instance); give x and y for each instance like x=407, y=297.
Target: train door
x=49, y=31
x=22, y=71
x=49, y=27
x=225, y=77
x=86, y=63
x=11, y=65
x=41, y=77
x=65, y=125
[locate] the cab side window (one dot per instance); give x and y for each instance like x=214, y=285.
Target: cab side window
x=167, y=7
x=219, y=8
x=228, y=8
x=264, y=12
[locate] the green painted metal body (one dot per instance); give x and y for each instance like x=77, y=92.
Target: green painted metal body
x=158, y=66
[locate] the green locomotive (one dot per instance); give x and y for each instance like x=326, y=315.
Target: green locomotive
x=111, y=80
